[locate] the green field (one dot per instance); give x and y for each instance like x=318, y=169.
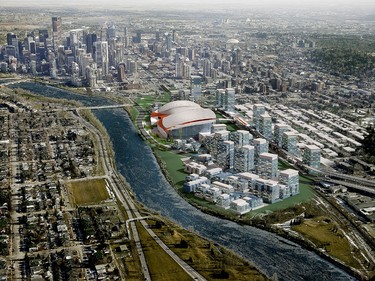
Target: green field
x=231, y=127
x=146, y=101
x=284, y=165
x=173, y=166
x=162, y=267
x=175, y=170
x=306, y=194
x=204, y=256
x=327, y=235
x=88, y=192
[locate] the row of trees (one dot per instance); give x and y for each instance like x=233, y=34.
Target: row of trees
x=368, y=145
x=343, y=61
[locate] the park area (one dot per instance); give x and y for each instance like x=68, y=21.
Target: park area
x=173, y=167
x=88, y=192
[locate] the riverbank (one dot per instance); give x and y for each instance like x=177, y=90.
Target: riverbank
x=176, y=177
x=138, y=166
x=256, y=221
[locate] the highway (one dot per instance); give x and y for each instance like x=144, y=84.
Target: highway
x=368, y=190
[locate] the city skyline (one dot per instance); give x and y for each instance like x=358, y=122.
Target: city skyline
x=261, y=113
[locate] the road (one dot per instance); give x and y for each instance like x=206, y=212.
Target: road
x=124, y=196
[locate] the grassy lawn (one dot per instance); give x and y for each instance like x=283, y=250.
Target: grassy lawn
x=284, y=165
x=306, y=193
x=210, y=206
x=146, y=101
x=174, y=166
x=204, y=256
x=232, y=127
x=219, y=115
x=162, y=267
x=88, y=191
x=325, y=234
x=133, y=113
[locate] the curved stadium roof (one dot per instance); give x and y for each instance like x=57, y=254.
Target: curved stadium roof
x=181, y=114
x=177, y=106
x=189, y=117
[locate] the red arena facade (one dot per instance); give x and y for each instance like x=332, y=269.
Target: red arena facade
x=182, y=120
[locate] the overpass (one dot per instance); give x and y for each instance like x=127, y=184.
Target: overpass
x=365, y=189
x=101, y=107
x=14, y=82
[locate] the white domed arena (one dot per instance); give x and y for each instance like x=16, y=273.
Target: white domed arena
x=182, y=120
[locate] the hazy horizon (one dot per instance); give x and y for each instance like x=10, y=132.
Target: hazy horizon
x=321, y=4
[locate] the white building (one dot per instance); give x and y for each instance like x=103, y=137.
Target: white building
x=240, y=206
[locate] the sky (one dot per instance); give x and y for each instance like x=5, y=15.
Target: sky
x=146, y=4
x=270, y=3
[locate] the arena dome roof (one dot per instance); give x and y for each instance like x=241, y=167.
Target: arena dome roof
x=176, y=106
x=182, y=114
x=233, y=41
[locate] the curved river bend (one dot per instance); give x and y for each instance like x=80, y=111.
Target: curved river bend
x=135, y=161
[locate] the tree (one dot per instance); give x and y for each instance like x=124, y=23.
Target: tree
x=368, y=143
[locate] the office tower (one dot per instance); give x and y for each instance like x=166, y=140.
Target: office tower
x=74, y=38
x=13, y=41
x=131, y=67
x=168, y=42
x=240, y=137
x=183, y=69
x=174, y=36
x=265, y=126
x=278, y=135
x=32, y=47
x=236, y=56
x=91, y=75
x=101, y=56
x=258, y=110
x=10, y=37
x=244, y=159
x=225, y=154
x=267, y=167
x=56, y=32
x=213, y=141
x=311, y=156
x=138, y=38
x=207, y=68
x=220, y=95
x=179, y=67
x=230, y=99
x=157, y=35
x=289, y=142
x=191, y=54
x=83, y=60
x=225, y=66
x=290, y=178
x=260, y=146
x=225, y=98
x=43, y=36
x=91, y=38
x=187, y=71
x=111, y=33
x=121, y=72
x=126, y=37
x=195, y=87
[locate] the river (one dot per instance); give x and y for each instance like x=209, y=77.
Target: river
x=135, y=161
